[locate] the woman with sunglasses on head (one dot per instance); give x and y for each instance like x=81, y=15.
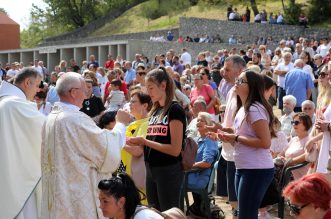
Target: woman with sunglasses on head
x=251, y=138
x=163, y=142
x=309, y=197
x=206, y=78
x=204, y=90
x=120, y=198
x=294, y=153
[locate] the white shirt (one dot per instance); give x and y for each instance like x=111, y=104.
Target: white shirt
x=309, y=69
x=280, y=19
x=283, y=67
x=186, y=58
x=11, y=73
x=232, y=16
x=323, y=50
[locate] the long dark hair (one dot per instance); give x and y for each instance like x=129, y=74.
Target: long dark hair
x=157, y=76
x=122, y=186
x=256, y=87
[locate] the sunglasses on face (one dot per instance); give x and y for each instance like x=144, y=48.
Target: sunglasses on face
x=322, y=74
x=294, y=208
x=295, y=122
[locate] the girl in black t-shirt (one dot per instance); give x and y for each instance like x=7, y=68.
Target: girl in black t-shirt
x=163, y=143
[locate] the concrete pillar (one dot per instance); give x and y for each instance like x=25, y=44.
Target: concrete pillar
x=80, y=55
x=14, y=57
x=103, y=54
x=122, y=51
x=26, y=57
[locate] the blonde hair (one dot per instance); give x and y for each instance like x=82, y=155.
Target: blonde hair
x=324, y=95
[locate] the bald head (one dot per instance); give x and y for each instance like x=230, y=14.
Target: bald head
x=299, y=63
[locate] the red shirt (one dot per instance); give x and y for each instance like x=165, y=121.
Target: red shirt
x=122, y=88
x=327, y=215
x=109, y=64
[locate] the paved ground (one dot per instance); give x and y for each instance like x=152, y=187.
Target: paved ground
x=227, y=209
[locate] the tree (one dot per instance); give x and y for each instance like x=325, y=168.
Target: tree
x=3, y=11
x=254, y=7
x=319, y=11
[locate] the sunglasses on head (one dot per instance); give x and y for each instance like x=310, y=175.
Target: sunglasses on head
x=295, y=122
x=322, y=74
x=294, y=208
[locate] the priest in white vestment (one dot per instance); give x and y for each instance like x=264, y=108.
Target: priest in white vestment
x=76, y=154
x=20, y=145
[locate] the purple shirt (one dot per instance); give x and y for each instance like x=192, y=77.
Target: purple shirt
x=178, y=68
x=246, y=157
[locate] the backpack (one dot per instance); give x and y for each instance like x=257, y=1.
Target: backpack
x=189, y=152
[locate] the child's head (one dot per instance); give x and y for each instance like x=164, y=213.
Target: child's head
x=115, y=84
x=108, y=120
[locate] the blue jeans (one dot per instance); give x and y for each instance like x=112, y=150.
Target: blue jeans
x=251, y=185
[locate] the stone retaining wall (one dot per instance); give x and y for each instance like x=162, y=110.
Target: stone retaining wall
x=249, y=31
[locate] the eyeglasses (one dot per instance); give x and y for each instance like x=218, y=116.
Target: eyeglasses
x=308, y=108
x=240, y=81
x=322, y=74
x=295, y=122
x=294, y=208
x=141, y=73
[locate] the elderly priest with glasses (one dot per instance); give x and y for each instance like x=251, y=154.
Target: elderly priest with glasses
x=76, y=154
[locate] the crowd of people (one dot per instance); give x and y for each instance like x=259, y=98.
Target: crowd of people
x=120, y=127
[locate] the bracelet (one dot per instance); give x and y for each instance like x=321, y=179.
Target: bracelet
x=236, y=139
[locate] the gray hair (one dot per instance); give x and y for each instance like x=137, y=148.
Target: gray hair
x=308, y=102
x=25, y=73
x=200, y=100
x=207, y=117
x=68, y=81
x=237, y=61
x=290, y=98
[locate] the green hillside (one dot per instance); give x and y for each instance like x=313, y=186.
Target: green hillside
x=134, y=21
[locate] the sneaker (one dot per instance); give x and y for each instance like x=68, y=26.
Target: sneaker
x=265, y=215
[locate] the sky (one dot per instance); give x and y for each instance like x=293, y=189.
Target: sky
x=19, y=10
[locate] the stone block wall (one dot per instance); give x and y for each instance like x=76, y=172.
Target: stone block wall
x=249, y=31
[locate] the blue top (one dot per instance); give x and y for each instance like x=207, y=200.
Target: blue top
x=207, y=152
x=297, y=82
x=130, y=75
x=52, y=95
